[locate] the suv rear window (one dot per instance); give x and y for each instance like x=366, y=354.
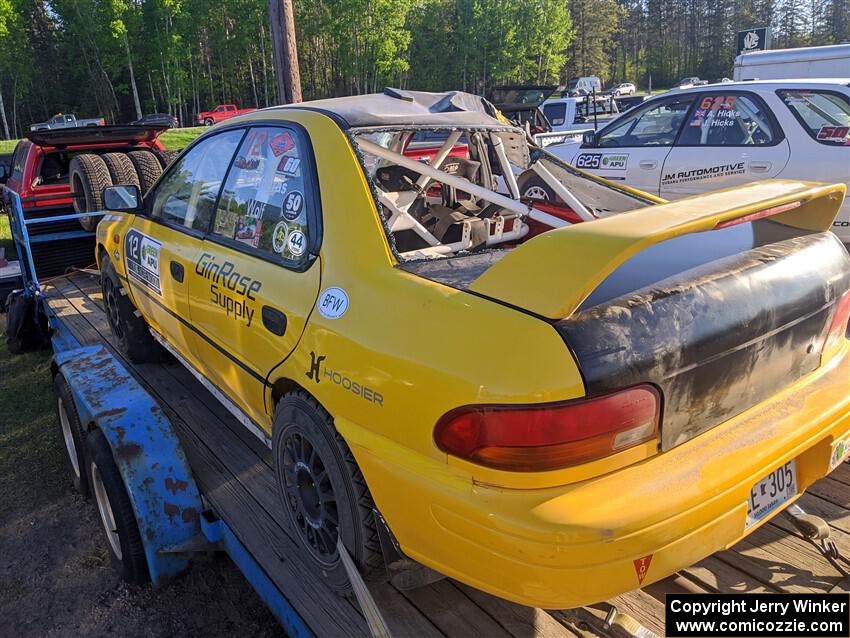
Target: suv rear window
x=824, y=114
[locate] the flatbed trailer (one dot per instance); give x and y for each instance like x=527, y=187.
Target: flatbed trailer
x=214, y=476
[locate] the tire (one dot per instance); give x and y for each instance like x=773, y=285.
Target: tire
x=166, y=157
x=308, y=450
x=209, y=121
x=132, y=337
x=89, y=176
x=147, y=167
x=121, y=169
x=72, y=434
x=116, y=511
x=532, y=186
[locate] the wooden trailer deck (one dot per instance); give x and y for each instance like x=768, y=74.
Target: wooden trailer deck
x=233, y=471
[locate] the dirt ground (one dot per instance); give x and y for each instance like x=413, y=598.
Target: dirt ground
x=55, y=576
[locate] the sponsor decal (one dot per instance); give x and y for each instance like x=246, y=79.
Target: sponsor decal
x=229, y=289
x=292, y=205
x=281, y=143
x=834, y=134
x=247, y=164
x=248, y=230
x=840, y=452
x=143, y=259
x=615, y=161
x=296, y=243
x=289, y=166
x=642, y=567
x=697, y=174
x=255, y=141
x=317, y=374
x=333, y=303
x=315, y=365
x=280, y=186
x=281, y=230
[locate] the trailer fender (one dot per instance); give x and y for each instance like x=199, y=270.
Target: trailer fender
x=148, y=453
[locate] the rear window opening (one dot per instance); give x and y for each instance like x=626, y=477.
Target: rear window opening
x=54, y=166
x=447, y=194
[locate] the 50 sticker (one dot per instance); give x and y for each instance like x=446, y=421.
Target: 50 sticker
x=142, y=255
x=292, y=205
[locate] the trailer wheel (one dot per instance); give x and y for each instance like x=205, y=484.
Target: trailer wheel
x=322, y=490
x=116, y=511
x=88, y=176
x=72, y=434
x=121, y=169
x=532, y=186
x=148, y=168
x=131, y=333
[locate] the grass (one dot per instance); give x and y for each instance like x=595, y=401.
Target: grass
x=173, y=139
x=6, y=237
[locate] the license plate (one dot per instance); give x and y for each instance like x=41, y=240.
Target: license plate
x=771, y=492
x=840, y=452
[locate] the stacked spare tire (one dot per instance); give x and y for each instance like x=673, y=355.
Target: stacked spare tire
x=90, y=173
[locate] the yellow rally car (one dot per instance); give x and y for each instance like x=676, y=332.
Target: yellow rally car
x=555, y=400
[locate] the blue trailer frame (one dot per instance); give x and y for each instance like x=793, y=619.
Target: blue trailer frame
x=174, y=519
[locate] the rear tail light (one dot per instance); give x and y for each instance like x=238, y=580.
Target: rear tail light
x=840, y=325
x=533, y=438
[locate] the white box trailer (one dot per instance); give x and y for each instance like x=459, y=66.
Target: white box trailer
x=831, y=61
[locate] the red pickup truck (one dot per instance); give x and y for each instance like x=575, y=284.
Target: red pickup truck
x=220, y=113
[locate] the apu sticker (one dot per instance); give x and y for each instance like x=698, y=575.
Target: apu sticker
x=143, y=259
x=333, y=303
x=296, y=243
x=281, y=230
x=292, y=205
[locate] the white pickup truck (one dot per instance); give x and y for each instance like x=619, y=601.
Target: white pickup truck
x=66, y=120
x=702, y=138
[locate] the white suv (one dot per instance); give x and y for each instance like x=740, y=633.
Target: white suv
x=626, y=88
x=703, y=138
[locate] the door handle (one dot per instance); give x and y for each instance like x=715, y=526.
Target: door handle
x=177, y=271
x=760, y=167
x=274, y=320
x=648, y=164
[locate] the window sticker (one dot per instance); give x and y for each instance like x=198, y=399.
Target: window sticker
x=281, y=143
x=279, y=235
x=248, y=230
x=834, y=134
x=288, y=166
x=255, y=142
x=247, y=164
x=292, y=205
x=296, y=243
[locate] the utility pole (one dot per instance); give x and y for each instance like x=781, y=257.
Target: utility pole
x=282, y=18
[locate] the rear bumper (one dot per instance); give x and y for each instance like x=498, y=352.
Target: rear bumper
x=584, y=542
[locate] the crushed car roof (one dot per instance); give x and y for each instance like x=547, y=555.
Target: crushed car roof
x=395, y=107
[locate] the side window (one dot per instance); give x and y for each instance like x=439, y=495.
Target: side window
x=728, y=120
x=19, y=159
x=555, y=113
x=187, y=193
x=266, y=200
x=230, y=107
x=824, y=114
x=656, y=124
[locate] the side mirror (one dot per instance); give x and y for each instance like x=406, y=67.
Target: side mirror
x=124, y=198
x=589, y=139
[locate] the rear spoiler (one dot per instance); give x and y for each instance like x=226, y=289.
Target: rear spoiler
x=130, y=133
x=553, y=273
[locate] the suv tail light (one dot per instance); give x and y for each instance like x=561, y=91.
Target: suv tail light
x=840, y=325
x=534, y=438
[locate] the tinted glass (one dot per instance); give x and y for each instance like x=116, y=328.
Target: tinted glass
x=187, y=193
x=654, y=125
x=825, y=115
x=265, y=202
x=555, y=113
x=727, y=120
